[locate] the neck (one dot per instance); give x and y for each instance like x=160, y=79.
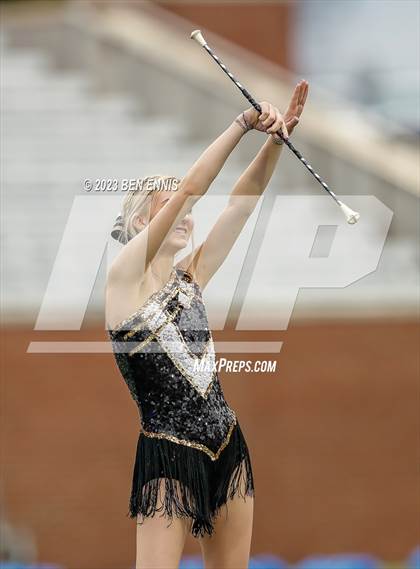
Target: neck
x=162, y=266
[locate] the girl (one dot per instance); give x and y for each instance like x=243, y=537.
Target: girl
x=192, y=462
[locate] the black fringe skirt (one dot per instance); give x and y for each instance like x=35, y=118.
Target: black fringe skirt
x=194, y=486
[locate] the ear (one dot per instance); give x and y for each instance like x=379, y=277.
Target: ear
x=139, y=222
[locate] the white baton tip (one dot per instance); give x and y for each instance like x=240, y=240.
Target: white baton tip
x=351, y=216
x=198, y=37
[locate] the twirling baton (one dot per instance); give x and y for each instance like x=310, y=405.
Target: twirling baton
x=351, y=216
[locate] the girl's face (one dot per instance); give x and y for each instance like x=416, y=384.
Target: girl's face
x=178, y=238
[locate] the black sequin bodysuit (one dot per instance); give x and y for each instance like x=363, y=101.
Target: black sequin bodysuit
x=189, y=437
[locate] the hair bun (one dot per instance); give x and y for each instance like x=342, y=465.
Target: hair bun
x=117, y=232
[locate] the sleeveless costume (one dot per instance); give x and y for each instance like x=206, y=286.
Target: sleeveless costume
x=189, y=435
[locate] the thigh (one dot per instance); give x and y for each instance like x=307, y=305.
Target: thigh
x=230, y=544
x=160, y=540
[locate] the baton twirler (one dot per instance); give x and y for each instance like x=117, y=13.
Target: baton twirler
x=351, y=216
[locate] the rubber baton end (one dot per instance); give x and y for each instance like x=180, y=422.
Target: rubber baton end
x=351, y=216
x=198, y=37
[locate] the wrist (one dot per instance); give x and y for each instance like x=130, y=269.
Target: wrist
x=243, y=122
x=276, y=141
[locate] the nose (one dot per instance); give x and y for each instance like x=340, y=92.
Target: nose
x=187, y=219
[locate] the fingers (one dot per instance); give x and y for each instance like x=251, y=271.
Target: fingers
x=276, y=124
x=265, y=111
x=290, y=124
x=298, y=99
x=294, y=122
x=268, y=114
x=272, y=121
x=279, y=124
x=303, y=93
x=284, y=130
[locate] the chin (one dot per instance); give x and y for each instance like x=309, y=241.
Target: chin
x=179, y=242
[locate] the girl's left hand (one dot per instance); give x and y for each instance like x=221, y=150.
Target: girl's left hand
x=271, y=120
x=295, y=108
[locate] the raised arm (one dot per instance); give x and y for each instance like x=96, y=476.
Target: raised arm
x=205, y=260
x=255, y=178
x=135, y=257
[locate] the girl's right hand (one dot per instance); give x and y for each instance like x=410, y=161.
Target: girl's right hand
x=270, y=120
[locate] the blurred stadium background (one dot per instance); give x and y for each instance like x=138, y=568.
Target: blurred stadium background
x=114, y=89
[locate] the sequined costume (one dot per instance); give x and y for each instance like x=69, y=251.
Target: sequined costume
x=189, y=435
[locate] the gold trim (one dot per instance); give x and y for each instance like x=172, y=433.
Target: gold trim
x=152, y=335
x=191, y=278
x=134, y=330
x=144, y=323
x=188, y=378
x=167, y=300
x=174, y=276
x=168, y=321
x=182, y=339
x=141, y=345
x=157, y=293
x=210, y=453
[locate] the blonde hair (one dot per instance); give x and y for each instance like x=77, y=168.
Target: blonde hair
x=140, y=201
